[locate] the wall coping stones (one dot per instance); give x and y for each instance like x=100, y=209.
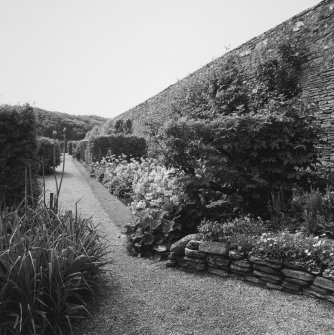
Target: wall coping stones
x=216, y=248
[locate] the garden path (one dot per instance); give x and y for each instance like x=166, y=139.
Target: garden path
x=141, y=297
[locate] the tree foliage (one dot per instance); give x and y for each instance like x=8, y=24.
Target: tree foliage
x=76, y=126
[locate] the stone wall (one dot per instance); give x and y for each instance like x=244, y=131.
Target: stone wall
x=216, y=258
x=313, y=27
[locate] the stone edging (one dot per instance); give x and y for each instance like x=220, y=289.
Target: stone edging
x=215, y=258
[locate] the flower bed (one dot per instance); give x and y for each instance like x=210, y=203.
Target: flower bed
x=155, y=195
x=293, y=272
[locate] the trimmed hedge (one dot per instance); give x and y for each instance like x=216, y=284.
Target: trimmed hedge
x=82, y=146
x=45, y=151
x=118, y=144
x=76, y=149
x=19, y=149
x=70, y=147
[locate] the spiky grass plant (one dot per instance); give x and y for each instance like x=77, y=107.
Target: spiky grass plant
x=49, y=265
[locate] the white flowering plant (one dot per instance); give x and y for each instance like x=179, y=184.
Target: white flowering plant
x=309, y=252
x=241, y=233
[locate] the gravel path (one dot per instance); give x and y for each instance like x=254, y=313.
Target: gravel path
x=141, y=297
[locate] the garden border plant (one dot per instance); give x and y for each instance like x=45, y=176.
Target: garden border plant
x=50, y=264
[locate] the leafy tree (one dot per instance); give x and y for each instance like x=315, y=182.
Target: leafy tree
x=76, y=126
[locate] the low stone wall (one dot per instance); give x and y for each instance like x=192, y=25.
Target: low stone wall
x=215, y=258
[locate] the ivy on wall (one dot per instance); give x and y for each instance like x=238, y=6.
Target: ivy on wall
x=277, y=77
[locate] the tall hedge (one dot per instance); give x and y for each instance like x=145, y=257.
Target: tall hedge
x=18, y=150
x=118, y=144
x=70, y=147
x=45, y=153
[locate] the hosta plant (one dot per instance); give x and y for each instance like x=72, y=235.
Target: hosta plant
x=152, y=233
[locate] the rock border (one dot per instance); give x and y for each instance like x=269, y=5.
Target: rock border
x=215, y=258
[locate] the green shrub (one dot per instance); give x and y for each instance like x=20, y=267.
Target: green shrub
x=153, y=233
x=157, y=201
x=45, y=153
x=315, y=210
x=248, y=156
x=70, y=147
x=50, y=265
x=18, y=151
x=82, y=146
x=118, y=144
x=76, y=149
x=241, y=233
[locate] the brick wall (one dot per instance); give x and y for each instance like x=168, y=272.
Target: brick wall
x=313, y=27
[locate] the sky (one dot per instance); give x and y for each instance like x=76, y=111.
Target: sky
x=104, y=57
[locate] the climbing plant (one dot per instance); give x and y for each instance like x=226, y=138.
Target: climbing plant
x=277, y=77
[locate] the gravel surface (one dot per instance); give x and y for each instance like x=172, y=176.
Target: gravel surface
x=141, y=297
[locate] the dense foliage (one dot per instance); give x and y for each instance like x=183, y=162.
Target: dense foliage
x=277, y=76
x=98, y=147
x=18, y=154
x=245, y=156
x=111, y=127
x=254, y=237
x=70, y=145
x=157, y=198
x=49, y=266
x=219, y=90
x=76, y=125
x=46, y=147
x=242, y=156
